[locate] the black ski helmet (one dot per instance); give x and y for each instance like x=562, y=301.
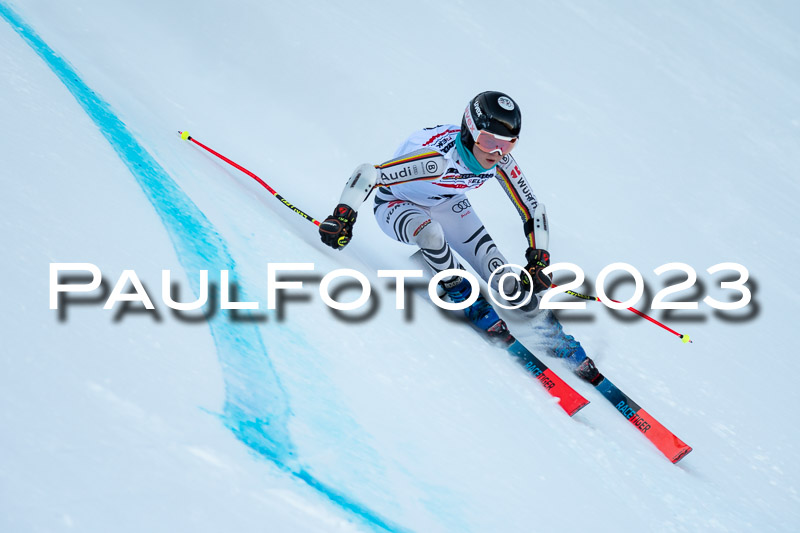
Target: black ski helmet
x=494, y=112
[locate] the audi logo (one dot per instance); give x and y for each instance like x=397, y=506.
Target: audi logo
x=461, y=206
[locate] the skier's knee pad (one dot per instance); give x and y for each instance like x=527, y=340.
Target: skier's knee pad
x=512, y=293
x=511, y=287
x=430, y=236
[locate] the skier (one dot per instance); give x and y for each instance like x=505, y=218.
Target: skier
x=421, y=201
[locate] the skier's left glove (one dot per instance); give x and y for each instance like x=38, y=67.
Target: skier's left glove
x=337, y=230
x=538, y=260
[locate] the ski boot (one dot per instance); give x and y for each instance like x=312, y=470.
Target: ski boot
x=481, y=313
x=582, y=365
x=588, y=372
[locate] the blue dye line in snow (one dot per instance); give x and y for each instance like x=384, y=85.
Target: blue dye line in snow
x=256, y=406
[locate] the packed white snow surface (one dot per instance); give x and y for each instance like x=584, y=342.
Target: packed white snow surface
x=654, y=133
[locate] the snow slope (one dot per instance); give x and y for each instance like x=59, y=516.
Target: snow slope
x=653, y=134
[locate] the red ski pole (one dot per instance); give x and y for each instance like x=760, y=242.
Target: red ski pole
x=684, y=338
x=186, y=137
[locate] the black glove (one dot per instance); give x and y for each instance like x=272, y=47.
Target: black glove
x=538, y=260
x=337, y=230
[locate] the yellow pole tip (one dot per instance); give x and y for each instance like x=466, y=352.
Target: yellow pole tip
x=685, y=339
x=185, y=135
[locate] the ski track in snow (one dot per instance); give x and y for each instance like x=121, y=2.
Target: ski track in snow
x=256, y=406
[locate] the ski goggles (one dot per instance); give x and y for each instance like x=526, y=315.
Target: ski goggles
x=490, y=142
